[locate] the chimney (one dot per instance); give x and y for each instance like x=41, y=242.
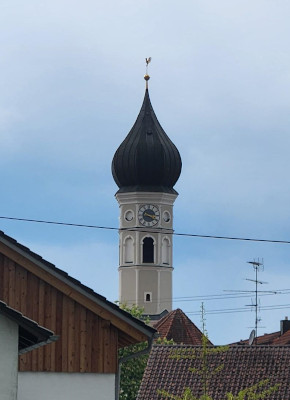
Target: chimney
x=284, y=325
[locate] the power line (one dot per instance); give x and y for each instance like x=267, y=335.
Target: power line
x=185, y=298
x=239, y=309
x=205, y=296
x=39, y=221
x=225, y=296
x=141, y=230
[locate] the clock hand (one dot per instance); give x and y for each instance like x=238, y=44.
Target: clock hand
x=150, y=215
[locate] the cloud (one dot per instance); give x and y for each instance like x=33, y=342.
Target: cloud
x=71, y=88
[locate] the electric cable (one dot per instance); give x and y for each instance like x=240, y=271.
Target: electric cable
x=216, y=297
x=142, y=230
x=193, y=298
x=239, y=309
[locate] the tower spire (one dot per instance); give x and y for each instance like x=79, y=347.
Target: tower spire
x=146, y=76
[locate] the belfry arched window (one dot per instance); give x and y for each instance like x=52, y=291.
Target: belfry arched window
x=128, y=250
x=165, y=251
x=148, y=250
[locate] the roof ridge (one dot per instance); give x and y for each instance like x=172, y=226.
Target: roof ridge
x=178, y=326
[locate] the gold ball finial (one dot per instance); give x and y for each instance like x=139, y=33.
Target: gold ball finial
x=146, y=76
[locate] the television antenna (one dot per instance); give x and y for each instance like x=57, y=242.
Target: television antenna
x=258, y=266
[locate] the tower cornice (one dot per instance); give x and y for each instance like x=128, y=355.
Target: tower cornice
x=144, y=197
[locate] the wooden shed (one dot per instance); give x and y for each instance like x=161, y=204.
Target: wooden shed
x=90, y=328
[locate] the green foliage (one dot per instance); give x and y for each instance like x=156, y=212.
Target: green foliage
x=187, y=395
x=132, y=370
x=164, y=341
x=134, y=310
x=256, y=392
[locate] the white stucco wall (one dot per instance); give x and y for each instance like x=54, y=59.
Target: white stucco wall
x=8, y=358
x=65, y=386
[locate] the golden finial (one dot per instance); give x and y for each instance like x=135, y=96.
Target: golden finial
x=146, y=76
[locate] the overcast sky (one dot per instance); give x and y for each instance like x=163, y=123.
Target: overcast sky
x=71, y=84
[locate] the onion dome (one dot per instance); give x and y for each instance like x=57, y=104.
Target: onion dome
x=147, y=160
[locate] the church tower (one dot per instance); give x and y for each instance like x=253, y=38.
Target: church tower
x=145, y=167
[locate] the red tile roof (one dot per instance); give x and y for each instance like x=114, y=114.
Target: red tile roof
x=177, y=326
x=267, y=338
x=274, y=338
x=283, y=339
x=243, y=366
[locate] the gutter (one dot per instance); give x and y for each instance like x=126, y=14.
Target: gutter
x=52, y=339
x=129, y=357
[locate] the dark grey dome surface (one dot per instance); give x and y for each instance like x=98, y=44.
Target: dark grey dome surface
x=146, y=160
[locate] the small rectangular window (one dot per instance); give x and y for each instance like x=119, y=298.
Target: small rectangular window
x=147, y=297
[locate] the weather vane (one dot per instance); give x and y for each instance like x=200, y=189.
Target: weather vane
x=146, y=76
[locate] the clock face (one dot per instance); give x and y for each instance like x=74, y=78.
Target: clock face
x=148, y=215
x=166, y=216
x=129, y=215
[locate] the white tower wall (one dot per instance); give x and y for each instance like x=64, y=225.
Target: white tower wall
x=146, y=284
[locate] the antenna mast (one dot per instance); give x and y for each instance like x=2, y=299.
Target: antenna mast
x=258, y=266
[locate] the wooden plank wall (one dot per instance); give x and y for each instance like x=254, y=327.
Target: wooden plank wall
x=87, y=342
